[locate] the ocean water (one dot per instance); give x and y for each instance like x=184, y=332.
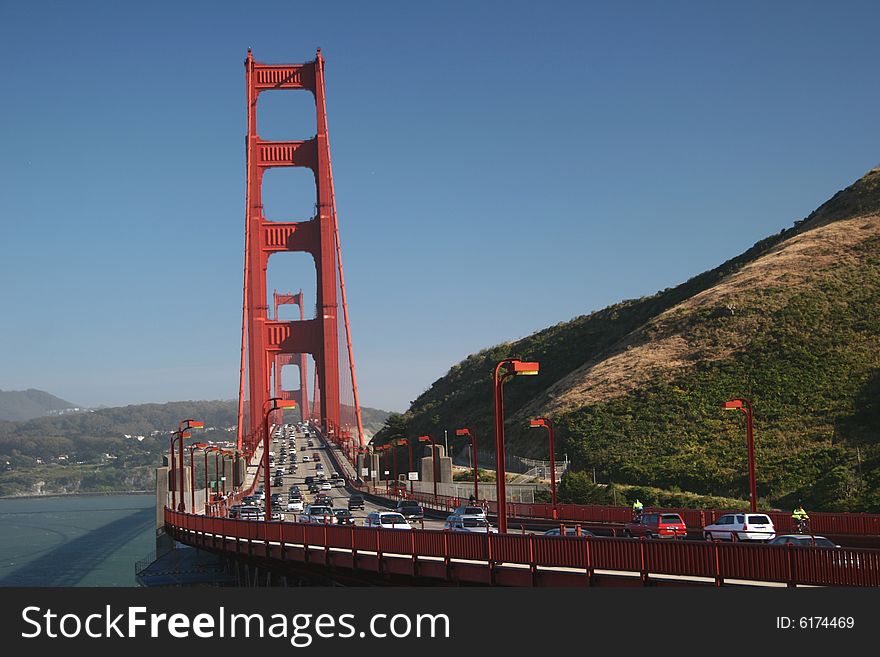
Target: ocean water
x=76, y=540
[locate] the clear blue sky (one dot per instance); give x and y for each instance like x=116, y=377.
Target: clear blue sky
x=499, y=167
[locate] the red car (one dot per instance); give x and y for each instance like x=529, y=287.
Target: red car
x=657, y=525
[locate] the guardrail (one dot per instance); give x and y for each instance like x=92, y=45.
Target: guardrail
x=840, y=524
x=788, y=564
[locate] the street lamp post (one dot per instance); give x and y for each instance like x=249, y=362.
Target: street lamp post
x=207, y=497
x=384, y=465
x=514, y=367
x=434, y=454
x=192, y=475
x=223, y=476
x=745, y=406
x=467, y=432
x=277, y=402
x=183, y=431
x=408, y=473
x=544, y=422
x=398, y=443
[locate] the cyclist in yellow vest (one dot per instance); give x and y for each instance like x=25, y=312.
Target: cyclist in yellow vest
x=637, y=509
x=799, y=517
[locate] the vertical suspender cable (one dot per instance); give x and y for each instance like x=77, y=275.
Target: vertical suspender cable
x=357, y=406
x=244, y=307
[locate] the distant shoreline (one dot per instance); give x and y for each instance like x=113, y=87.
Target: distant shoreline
x=78, y=494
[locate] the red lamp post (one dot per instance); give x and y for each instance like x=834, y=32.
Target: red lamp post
x=182, y=432
x=277, y=403
x=408, y=443
x=207, y=497
x=467, y=432
x=544, y=422
x=192, y=475
x=172, y=470
x=395, y=444
x=745, y=406
x=384, y=449
x=513, y=367
x=423, y=439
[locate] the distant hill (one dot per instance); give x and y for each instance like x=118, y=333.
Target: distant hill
x=23, y=405
x=109, y=448
x=635, y=389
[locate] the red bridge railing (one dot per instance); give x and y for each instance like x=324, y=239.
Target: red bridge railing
x=856, y=524
x=787, y=564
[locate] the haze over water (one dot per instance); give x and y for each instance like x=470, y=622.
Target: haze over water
x=77, y=540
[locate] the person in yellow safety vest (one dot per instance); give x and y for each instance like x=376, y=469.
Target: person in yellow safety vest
x=799, y=516
x=637, y=509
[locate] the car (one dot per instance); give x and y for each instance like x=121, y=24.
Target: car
x=248, y=500
x=291, y=469
x=324, y=500
x=293, y=489
x=309, y=479
x=295, y=505
x=276, y=515
x=470, y=524
x=656, y=525
x=317, y=514
x=343, y=517
x=803, y=539
x=338, y=482
x=326, y=485
x=314, y=487
x=306, y=458
x=386, y=520
x=740, y=527
x=410, y=509
x=469, y=510
x=356, y=501
x=251, y=512
x=569, y=531
x=319, y=467
x=279, y=481
x=233, y=510
x=316, y=457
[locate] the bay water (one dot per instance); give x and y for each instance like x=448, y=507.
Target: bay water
x=75, y=540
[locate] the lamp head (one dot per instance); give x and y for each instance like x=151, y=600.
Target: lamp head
x=523, y=368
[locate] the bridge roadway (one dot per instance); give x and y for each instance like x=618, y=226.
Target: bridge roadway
x=359, y=555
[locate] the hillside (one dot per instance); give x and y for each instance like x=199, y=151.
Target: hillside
x=23, y=405
x=635, y=389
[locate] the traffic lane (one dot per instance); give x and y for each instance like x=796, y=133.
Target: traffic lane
x=339, y=495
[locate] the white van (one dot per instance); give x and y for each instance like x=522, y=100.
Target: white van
x=741, y=527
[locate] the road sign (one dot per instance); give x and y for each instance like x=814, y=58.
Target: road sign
x=365, y=472
x=388, y=472
x=413, y=476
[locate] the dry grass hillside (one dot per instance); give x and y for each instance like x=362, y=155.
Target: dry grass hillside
x=666, y=346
